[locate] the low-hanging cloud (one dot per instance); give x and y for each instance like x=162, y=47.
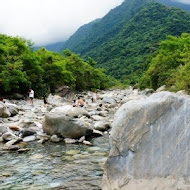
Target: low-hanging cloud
x=49, y=21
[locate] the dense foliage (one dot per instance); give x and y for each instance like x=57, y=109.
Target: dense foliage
x=125, y=55
x=123, y=47
x=170, y=66
x=22, y=68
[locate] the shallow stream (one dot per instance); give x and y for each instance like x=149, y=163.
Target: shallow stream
x=55, y=166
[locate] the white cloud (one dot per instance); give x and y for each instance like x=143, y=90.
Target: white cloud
x=47, y=21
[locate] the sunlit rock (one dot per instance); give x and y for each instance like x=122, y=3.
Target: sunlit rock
x=150, y=144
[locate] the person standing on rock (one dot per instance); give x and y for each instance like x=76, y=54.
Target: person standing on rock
x=45, y=98
x=94, y=97
x=31, y=96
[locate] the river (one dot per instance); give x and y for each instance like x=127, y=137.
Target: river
x=55, y=166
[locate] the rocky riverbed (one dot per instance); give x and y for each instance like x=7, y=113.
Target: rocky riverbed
x=66, y=147
x=33, y=155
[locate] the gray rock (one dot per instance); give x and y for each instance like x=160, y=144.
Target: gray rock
x=8, y=136
x=146, y=92
x=3, y=129
x=27, y=132
x=4, y=112
x=71, y=111
x=65, y=126
x=55, y=138
x=97, y=118
x=13, y=109
x=150, y=144
x=55, y=100
x=102, y=126
x=162, y=88
x=97, y=133
x=109, y=100
x=87, y=143
x=13, y=141
x=70, y=141
x=29, y=138
x=17, y=96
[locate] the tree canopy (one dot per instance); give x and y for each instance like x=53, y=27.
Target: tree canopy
x=170, y=66
x=22, y=68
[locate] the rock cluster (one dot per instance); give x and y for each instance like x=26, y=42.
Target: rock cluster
x=60, y=121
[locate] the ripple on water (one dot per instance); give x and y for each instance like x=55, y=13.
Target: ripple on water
x=55, y=166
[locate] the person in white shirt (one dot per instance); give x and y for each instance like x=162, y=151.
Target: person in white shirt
x=31, y=96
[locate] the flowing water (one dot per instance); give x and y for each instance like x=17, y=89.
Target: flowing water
x=55, y=166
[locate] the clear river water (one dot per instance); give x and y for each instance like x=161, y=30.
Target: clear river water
x=55, y=166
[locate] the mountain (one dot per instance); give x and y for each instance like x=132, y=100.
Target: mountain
x=122, y=40
x=102, y=30
x=57, y=47
x=173, y=3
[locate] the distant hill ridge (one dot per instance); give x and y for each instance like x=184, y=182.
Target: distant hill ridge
x=122, y=40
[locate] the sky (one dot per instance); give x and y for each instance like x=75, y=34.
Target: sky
x=184, y=1
x=50, y=21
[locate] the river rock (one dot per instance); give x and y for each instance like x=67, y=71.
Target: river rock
x=55, y=138
x=29, y=138
x=97, y=133
x=71, y=111
x=102, y=126
x=162, y=88
x=65, y=126
x=13, y=108
x=8, y=136
x=13, y=141
x=14, y=127
x=87, y=143
x=3, y=129
x=97, y=118
x=4, y=112
x=70, y=141
x=109, y=100
x=150, y=145
x=27, y=132
x=55, y=100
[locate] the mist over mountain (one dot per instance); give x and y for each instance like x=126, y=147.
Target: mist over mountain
x=101, y=30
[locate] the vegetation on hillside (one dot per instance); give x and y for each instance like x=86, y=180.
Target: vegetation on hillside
x=170, y=66
x=123, y=48
x=124, y=56
x=22, y=68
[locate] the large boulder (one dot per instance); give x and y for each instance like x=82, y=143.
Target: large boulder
x=65, y=126
x=4, y=112
x=150, y=141
x=71, y=111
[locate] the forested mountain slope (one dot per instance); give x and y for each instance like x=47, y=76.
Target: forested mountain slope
x=125, y=54
x=122, y=40
x=95, y=33
x=174, y=3
x=101, y=30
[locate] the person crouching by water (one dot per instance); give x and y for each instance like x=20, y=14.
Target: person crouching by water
x=45, y=99
x=31, y=96
x=79, y=102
